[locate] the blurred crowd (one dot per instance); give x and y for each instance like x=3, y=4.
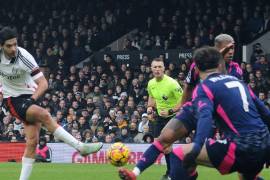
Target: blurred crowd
x=107, y=103
x=192, y=24
x=68, y=30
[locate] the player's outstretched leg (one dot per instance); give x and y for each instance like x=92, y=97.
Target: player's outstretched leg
x=149, y=157
x=36, y=113
x=174, y=130
x=83, y=148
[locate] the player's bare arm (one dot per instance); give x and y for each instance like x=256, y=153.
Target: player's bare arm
x=151, y=105
x=42, y=87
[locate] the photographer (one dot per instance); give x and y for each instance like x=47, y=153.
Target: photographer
x=43, y=152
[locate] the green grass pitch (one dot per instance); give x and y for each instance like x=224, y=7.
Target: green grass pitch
x=10, y=171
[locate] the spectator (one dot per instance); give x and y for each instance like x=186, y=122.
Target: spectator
x=257, y=53
x=148, y=138
x=109, y=124
x=143, y=122
x=60, y=118
x=94, y=123
x=262, y=97
x=108, y=139
x=87, y=136
x=128, y=46
x=121, y=122
x=100, y=134
x=62, y=106
x=262, y=64
x=139, y=137
x=260, y=81
x=21, y=135
x=83, y=124
x=124, y=136
x=68, y=125
x=133, y=130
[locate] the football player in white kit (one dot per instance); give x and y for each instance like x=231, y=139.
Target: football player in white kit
x=22, y=84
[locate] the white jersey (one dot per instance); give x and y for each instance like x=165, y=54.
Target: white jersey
x=18, y=74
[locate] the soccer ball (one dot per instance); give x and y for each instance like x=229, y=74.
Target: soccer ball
x=118, y=154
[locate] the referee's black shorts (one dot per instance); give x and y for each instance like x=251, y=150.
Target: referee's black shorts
x=159, y=124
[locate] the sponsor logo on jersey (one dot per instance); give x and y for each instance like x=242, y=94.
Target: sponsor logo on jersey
x=8, y=76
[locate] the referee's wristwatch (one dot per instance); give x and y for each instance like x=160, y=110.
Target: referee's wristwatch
x=170, y=112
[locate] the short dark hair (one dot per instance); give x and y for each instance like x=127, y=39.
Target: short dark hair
x=7, y=33
x=158, y=60
x=207, y=58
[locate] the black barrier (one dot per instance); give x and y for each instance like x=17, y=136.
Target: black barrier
x=134, y=58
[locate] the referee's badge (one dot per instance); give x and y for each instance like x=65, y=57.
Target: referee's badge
x=164, y=97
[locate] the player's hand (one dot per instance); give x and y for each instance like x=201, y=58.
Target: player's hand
x=226, y=49
x=150, y=110
x=150, y=113
x=164, y=113
x=107, y=119
x=189, y=161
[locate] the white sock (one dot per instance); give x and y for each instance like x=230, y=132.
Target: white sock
x=136, y=171
x=63, y=135
x=27, y=166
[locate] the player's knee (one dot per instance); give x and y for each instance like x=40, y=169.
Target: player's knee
x=45, y=117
